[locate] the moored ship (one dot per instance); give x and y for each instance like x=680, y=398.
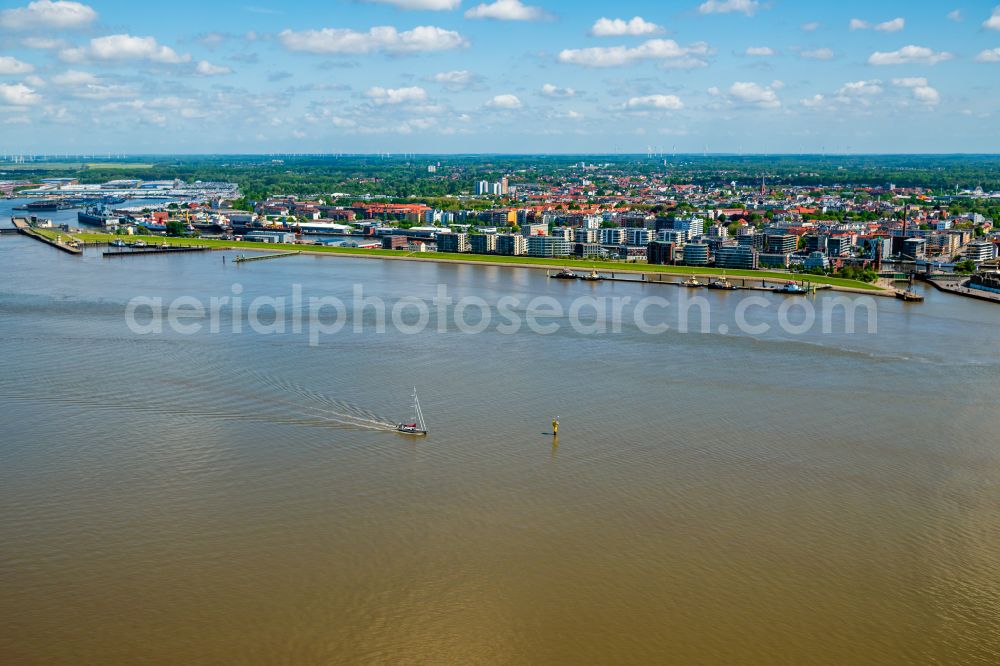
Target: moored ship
x=98, y=216
x=793, y=288
x=48, y=204
x=723, y=283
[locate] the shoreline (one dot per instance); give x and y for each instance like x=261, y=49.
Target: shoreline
x=604, y=268
x=837, y=284
x=955, y=287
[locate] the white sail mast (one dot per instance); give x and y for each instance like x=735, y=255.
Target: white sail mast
x=417, y=411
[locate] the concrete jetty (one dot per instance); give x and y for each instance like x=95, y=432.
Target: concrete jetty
x=261, y=257
x=173, y=249
x=70, y=246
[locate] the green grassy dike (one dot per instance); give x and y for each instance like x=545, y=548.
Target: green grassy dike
x=618, y=267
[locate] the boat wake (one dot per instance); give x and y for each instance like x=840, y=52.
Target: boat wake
x=251, y=396
x=324, y=406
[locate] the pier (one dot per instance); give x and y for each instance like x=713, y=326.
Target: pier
x=741, y=283
x=956, y=285
x=136, y=251
x=261, y=257
x=71, y=246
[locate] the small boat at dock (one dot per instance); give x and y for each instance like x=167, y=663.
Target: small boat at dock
x=723, y=283
x=909, y=296
x=793, y=288
x=564, y=274
x=592, y=276
x=693, y=282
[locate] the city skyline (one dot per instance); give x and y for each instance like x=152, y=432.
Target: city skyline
x=446, y=76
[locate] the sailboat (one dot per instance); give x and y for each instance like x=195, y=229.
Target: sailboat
x=418, y=427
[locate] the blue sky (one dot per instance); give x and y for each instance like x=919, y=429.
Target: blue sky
x=499, y=76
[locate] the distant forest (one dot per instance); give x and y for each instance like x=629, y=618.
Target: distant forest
x=407, y=176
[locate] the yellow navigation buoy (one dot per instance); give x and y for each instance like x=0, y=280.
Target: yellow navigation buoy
x=555, y=426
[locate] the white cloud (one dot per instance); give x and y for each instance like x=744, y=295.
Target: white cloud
x=457, y=78
x=382, y=96
x=428, y=5
x=748, y=7
x=910, y=82
x=989, y=55
x=894, y=25
x=46, y=14
x=58, y=114
x=993, y=22
x=124, y=47
x=755, y=94
x=860, y=88
x=655, y=102
x=504, y=102
x=18, y=94
x=423, y=38
x=922, y=92
x=212, y=39
x=654, y=49
x=684, y=63
x=955, y=15
x=814, y=101
x=926, y=95
x=506, y=10
x=818, y=54
x=205, y=68
x=811, y=26
x=760, y=51
x=605, y=27
x=11, y=65
x=103, y=91
x=36, y=42
x=73, y=77
x=909, y=54
x=550, y=90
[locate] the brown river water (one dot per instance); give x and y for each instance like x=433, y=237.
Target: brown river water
x=239, y=497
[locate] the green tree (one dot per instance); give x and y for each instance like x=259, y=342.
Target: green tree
x=965, y=266
x=176, y=228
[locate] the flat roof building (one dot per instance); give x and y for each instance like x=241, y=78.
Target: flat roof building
x=658, y=252
x=548, y=246
x=696, y=254
x=453, y=242
x=483, y=243
x=512, y=245
x=738, y=256
x=773, y=260
x=980, y=251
